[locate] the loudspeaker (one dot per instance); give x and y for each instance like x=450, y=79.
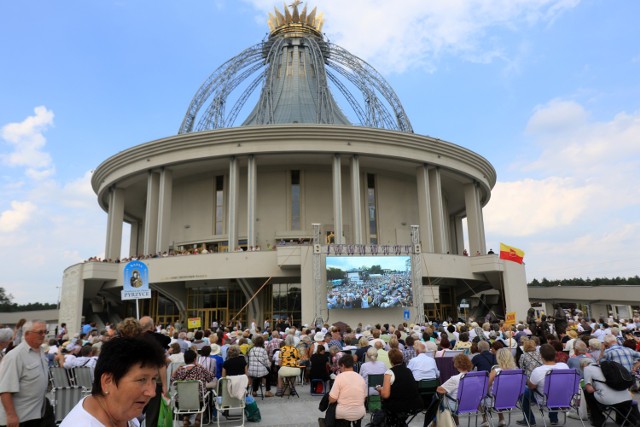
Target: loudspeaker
x=416, y=248
x=317, y=249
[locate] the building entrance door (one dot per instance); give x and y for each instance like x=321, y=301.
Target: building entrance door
x=209, y=315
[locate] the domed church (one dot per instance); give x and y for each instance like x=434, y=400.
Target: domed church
x=296, y=189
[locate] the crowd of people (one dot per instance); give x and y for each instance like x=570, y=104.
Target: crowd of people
x=130, y=362
x=389, y=290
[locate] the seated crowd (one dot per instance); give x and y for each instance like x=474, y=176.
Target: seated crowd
x=345, y=358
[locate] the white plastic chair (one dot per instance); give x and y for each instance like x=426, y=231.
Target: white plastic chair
x=225, y=402
x=188, y=399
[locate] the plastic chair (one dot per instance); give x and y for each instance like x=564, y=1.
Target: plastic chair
x=508, y=386
x=223, y=401
x=59, y=377
x=188, y=399
x=471, y=393
x=561, y=393
x=374, y=402
x=83, y=377
x=171, y=368
x=63, y=399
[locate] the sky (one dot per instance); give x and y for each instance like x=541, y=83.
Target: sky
x=547, y=90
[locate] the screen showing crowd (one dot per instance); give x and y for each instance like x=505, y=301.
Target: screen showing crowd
x=368, y=282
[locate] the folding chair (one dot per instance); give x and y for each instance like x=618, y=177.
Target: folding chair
x=612, y=413
x=471, y=393
x=63, y=399
x=561, y=393
x=188, y=399
x=224, y=402
x=83, y=377
x=59, y=377
x=508, y=386
x=427, y=390
x=452, y=353
x=431, y=354
x=374, y=402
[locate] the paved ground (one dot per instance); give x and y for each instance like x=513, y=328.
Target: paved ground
x=303, y=412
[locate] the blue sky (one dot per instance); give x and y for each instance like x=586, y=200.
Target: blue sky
x=547, y=90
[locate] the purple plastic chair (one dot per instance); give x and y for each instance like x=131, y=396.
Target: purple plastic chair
x=507, y=388
x=471, y=393
x=561, y=393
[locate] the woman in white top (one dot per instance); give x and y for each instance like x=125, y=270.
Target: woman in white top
x=125, y=381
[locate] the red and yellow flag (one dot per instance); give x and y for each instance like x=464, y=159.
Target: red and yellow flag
x=511, y=254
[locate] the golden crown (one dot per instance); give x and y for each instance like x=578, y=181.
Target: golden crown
x=295, y=21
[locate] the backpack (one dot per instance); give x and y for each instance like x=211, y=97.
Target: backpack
x=616, y=376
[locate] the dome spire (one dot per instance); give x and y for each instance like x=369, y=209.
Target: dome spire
x=292, y=20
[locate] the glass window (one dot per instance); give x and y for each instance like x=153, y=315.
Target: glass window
x=371, y=208
x=219, y=212
x=295, y=200
x=286, y=302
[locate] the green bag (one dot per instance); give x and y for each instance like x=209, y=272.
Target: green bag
x=251, y=410
x=165, y=418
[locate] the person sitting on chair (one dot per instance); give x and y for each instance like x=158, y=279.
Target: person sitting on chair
x=399, y=390
x=289, y=356
x=349, y=391
x=192, y=371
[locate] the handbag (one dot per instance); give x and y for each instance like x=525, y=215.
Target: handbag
x=251, y=410
x=444, y=418
x=165, y=417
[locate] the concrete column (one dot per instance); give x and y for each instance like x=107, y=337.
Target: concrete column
x=114, y=223
x=458, y=235
x=133, y=240
x=437, y=212
x=356, y=203
x=232, y=212
x=424, y=208
x=475, y=224
x=71, y=297
x=337, y=199
x=252, y=176
x=164, y=210
x=151, y=214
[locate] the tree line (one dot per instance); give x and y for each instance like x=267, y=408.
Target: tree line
x=8, y=306
x=599, y=281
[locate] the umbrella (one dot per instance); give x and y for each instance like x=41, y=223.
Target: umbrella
x=342, y=326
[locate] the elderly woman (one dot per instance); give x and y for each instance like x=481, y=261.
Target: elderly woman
x=450, y=387
x=363, y=347
x=530, y=358
x=193, y=371
x=349, y=391
x=259, y=365
x=372, y=367
x=124, y=382
x=463, y=343
x=289, y=357
x=399, y=390
x=235, y=364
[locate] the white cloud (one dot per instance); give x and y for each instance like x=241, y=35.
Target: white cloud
x=12, y=219
x=581, y=213
x=28, y=140
x=415, y=33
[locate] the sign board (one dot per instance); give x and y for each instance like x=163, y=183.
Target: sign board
x=136, y=281
x=464, y=303
x=510, y=318
x=194, y=323
x=406, y=314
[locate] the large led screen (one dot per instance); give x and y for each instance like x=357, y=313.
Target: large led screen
x=368, y=282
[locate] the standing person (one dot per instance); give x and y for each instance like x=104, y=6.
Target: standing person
x=24, y=378
x=259, y=365
x=536, y=382
x=152, y=411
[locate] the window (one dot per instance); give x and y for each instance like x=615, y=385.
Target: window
x=295, y=200
x=286, y=302
x=219, y=212
x=371, y=209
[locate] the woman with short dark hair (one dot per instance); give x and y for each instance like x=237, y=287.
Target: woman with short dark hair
x=124, y=382
x=349, y=391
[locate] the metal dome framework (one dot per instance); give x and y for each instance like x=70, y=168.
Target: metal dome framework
x=376, y=105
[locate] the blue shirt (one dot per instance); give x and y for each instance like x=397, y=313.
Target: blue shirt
x=623, y=355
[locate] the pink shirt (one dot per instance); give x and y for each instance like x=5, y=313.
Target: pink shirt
x=350, y=391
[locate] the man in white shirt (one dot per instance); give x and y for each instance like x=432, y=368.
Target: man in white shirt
x=536, y=382
x=422, y=366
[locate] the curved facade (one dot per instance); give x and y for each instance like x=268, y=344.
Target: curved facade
x=257, y=203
